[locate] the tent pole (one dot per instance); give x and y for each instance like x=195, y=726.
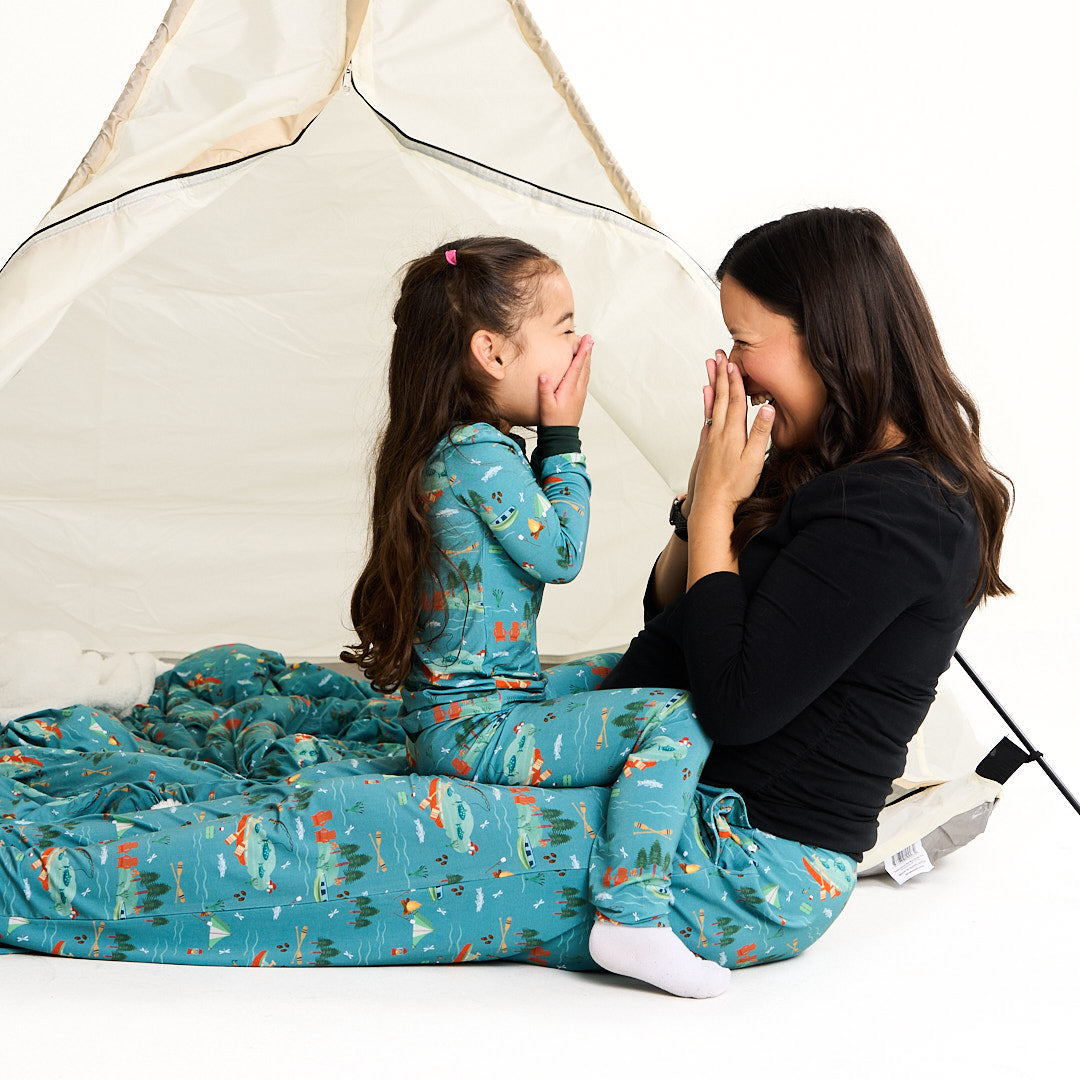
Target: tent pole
x=1035, y=755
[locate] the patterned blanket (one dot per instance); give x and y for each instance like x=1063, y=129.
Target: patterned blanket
x=256, y=812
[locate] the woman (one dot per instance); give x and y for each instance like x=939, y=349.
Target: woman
x=812, y=595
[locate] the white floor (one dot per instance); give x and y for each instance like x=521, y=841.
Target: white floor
x=966, y=967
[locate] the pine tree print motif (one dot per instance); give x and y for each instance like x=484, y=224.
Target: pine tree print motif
x=364, y=911
x=122, y=945
x=572, y=903
x=325, y=952
x=354, y=862
x=154, y=888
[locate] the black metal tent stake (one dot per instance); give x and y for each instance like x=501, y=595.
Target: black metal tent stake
x=1033, y=754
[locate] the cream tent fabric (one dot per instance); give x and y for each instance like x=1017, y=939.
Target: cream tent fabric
x=194, y=341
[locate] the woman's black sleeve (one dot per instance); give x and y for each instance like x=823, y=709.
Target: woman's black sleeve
x=860, y=553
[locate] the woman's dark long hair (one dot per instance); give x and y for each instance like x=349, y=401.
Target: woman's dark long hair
x=485, y=283
x=841, y=278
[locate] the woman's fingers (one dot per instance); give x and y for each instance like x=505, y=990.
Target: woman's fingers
x=730, y=459
x=736, y=400
x=757, y=441
x=712, y=365
x=722, y=390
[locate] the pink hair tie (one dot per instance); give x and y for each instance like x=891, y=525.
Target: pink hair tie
x=451, y=256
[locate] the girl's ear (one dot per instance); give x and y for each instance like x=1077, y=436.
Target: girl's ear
x=485, y=348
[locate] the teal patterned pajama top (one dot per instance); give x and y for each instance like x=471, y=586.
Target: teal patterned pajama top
x=505, y=528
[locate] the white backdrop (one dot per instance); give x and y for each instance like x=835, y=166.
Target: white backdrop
x=955, y=121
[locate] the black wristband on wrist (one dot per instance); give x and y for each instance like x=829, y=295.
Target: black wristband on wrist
x=676, y=519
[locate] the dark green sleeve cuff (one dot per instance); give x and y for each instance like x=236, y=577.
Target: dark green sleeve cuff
x=555, y=440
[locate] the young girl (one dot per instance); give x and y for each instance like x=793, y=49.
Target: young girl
x=465, y=533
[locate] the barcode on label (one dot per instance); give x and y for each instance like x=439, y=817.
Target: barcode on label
x=908, y=862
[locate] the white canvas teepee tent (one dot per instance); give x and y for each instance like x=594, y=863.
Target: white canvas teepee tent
x=193, y=342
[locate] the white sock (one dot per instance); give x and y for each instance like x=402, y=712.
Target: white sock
x=656, y=955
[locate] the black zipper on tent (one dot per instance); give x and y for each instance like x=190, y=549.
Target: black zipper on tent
x=522, y=180
x=156, y=183
x=491, y=168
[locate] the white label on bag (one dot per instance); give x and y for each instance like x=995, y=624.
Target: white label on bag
x=906, y=864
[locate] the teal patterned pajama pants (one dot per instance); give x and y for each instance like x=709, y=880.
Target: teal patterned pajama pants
x=645, y=744
x=300, y=837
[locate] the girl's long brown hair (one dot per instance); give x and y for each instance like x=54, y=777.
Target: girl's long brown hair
x=487, y=283
x=841, y=278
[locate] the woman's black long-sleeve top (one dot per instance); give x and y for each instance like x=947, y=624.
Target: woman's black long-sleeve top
x=812, y=668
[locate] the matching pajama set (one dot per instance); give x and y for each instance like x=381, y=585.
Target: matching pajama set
x=477, y=704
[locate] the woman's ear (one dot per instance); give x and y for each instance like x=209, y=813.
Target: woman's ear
x=485, y=348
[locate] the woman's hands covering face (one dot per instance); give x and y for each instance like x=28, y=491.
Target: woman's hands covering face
x=728, y=462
